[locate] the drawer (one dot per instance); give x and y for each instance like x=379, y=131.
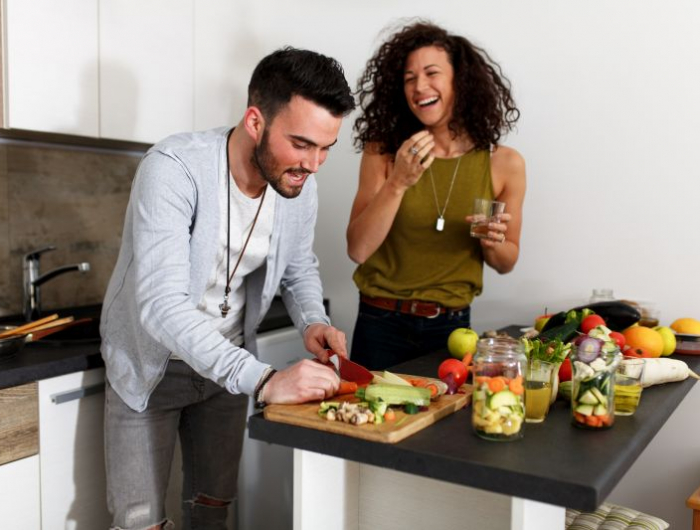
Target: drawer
x=19, y=422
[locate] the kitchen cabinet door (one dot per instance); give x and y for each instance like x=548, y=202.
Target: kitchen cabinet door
x=19, y=494
x=224, y=59
x=71, y=449
x=51, y=75
x=146, y=69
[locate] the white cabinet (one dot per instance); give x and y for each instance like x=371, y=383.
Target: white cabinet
x=224, y=57
x=50, y=70
x=19, y=494
x=71, y=451
x=146, y=69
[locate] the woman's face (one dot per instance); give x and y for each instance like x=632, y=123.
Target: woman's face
x=428, y=86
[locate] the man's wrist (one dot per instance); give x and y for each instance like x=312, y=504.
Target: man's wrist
x=259, y=393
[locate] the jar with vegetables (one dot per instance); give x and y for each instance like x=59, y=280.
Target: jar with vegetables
x=594, y=361
x=498, y=408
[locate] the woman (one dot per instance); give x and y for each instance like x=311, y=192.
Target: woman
x=434, y=107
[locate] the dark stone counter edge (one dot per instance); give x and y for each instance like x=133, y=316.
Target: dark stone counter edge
x=46, y=360
x=562, y=490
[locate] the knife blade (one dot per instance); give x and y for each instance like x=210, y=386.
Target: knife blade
x=351, y=371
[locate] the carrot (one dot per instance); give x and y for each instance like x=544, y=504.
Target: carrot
x=467, y=359
x=480, y=380
x=593, y=421
x=496, y=384
x=516, y=385
x=389, y=415
x=347, y=387
x=421, y=383
x=580, y=417
x=433, y=389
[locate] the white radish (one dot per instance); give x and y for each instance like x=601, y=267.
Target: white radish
x=662, y=370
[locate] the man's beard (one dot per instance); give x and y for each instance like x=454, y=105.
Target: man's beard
x=264, y=162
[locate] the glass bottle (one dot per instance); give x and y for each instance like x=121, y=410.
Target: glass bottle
x=601, y=295
x=498, y=404
x=593, y=388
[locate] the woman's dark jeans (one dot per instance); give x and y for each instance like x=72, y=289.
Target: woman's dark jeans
x=384, y=338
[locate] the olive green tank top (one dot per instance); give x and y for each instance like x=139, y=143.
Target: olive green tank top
x=416, y=261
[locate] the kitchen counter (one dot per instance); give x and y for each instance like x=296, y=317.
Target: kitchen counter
x=555, y=463
x=47, y=358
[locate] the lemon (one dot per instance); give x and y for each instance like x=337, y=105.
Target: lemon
x=686, y=325
x=669, y=340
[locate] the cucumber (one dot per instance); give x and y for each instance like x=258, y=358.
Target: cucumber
x=398, y=394
x=394, y=379
x=564, y=332
x=504, y=398
x=585, y=410
x=600, y=410
x=598, y=394
x=589, y=398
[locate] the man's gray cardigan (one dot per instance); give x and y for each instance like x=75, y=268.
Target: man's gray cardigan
x=168, y=252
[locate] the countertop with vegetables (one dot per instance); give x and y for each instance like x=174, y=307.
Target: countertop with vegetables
x=554, y=462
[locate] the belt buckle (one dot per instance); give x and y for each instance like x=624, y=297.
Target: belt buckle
x=437, y=313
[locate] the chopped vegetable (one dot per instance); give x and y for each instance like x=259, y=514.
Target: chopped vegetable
x=346, y=387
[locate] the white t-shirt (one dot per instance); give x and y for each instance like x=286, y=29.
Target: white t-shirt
x=243, y=210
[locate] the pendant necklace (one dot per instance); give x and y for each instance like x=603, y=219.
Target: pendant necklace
x=440, y=224
x=225, y=308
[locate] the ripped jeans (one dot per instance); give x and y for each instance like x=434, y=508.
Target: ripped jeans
x=139, y=450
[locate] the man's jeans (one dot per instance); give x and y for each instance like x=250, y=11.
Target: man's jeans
x=139, y=451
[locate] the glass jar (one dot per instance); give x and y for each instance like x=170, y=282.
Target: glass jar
x=498, y=406
x=601, y=295
x=593, y=388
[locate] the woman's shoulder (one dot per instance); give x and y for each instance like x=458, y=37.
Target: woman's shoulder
x=505, y=159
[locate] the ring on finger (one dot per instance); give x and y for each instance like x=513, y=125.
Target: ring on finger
x=413, y=150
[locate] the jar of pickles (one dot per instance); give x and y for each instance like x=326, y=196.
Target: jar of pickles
x=594, y=362
x=498, y=407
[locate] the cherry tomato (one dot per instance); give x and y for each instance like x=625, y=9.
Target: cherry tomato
x=454, y=367
x=619, y=338
x=565, y=370
x=590, y=322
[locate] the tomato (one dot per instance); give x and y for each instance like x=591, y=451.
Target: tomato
x=565, y=370
x=619, y=338
x=590, y=322
x=454, y=367
x=636, y=352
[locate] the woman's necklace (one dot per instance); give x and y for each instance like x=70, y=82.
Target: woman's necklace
x=225, y=308
x=440, y=224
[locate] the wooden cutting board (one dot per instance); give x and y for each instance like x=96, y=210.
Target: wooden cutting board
x=306, y=415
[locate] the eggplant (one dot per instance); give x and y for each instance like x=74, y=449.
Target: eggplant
x=617, y=314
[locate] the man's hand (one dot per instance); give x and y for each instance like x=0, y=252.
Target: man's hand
x=319, y=338
x=305, y=381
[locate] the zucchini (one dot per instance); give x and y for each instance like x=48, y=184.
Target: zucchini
x=398, y=394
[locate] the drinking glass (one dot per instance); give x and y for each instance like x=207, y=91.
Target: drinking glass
x=538, y=389
x=628, y=385
x=485, y=212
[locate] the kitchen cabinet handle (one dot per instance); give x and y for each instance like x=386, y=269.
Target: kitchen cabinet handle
x=78, y=393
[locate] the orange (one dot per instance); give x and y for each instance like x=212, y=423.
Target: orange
x=686, y=325
x=646, y=339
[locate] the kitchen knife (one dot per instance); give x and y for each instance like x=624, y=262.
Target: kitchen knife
x=351, y=371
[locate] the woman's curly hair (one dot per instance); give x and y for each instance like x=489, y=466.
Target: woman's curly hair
x=484, y=107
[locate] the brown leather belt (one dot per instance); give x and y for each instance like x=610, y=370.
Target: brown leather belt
x=417, y=308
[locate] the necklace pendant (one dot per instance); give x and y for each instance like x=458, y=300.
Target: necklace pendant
x=225, y=308
x=440, y=224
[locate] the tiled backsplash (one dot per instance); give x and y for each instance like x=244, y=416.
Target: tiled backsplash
x=70, y=197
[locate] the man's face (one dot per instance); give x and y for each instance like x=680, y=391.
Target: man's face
x=294, y=145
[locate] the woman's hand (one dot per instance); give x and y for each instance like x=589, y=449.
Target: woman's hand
x=412, y=159
x=497, y=230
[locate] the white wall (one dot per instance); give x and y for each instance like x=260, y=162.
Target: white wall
x=610, y=111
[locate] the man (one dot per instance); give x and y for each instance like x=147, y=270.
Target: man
x=217, y=221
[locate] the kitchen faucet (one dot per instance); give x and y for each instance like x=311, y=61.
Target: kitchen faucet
x=32, y=279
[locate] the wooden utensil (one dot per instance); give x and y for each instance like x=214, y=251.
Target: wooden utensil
x=25, y=328
x=40, y=334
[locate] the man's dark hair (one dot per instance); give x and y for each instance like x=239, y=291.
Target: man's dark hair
x=484, y=107
x=291, y=72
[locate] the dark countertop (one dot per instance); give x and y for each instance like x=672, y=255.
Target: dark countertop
x=554, y=463
x=50, y=358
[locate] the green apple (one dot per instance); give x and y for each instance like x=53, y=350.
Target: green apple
x=669, y=337
x=461, y=342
